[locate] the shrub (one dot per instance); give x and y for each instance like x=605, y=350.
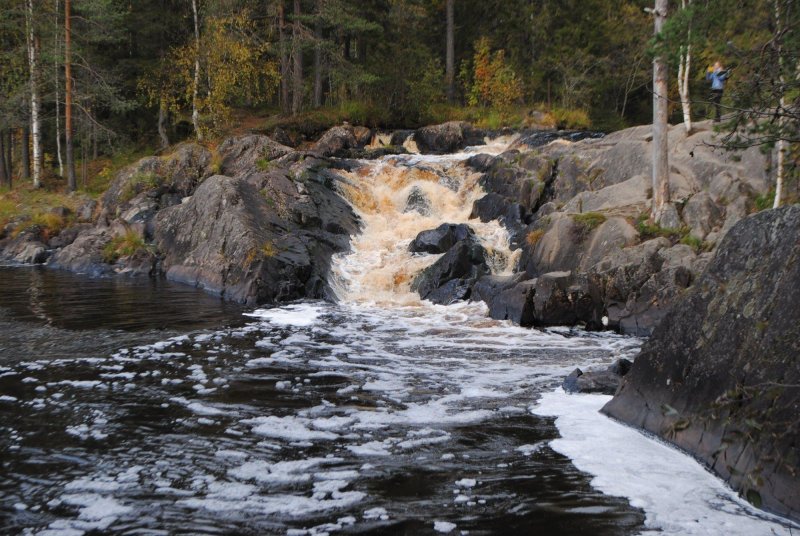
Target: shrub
x=764, y=201
x=693, y=242
x=649, y=230
x=571, y=118
x=533, y=237
x=585, y=223
x=124, y=245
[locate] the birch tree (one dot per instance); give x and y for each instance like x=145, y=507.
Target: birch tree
x=57, y=85
x=660, y=119
x=781, y=145
x=35, y=103
x=684, y=68
x=72, y=182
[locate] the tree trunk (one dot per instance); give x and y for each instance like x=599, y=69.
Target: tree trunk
x=33, y=65
x=284, y=50
x=297, y=52
x=196, y=82
x=684, y=67
x=162, y=119
x=781, y=146
x=3, y=173
x=9, y=151
x=450, y=71
x=57, y=78
x=72, y=184
x=25, y=155
x=318, y=56
x=660, y=118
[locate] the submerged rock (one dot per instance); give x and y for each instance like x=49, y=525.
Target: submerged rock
x=597, y=381
x=720, y=376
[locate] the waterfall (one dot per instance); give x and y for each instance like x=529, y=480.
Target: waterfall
x=397, y=197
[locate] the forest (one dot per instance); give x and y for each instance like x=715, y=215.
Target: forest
x=85, y=84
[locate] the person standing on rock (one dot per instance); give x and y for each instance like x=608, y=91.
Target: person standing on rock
x=717, y=75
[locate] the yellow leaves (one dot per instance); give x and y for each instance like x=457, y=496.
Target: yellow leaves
x=493, y=81
x=234, y=67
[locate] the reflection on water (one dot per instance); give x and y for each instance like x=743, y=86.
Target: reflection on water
x=44, y=313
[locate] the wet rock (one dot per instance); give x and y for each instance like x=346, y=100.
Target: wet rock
x=418, y=202
x=441, y=239
x=466, y=262
x=488, y=287
x=604, y=382
x=85, y=254
x=447, y=137
x=719, y=376
x=561, y=298
x=514, y=303
x=399, y=137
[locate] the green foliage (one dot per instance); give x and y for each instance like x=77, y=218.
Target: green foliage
x=764, y=201
x=125, y=245
x=585, y=223
x=693, y=242
x=648, y=230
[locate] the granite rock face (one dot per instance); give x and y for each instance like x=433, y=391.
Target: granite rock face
x=720, y=376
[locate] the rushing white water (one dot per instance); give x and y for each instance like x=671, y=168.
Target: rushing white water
x=379, y=269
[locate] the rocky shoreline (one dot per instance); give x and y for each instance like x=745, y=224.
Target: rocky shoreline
x=257, y=221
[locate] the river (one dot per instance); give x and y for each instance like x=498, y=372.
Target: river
x=139, y=407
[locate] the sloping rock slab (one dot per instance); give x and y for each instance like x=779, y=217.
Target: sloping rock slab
x=720, y=377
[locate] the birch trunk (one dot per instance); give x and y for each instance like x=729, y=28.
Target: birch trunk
x=297, y=53
x=660, y=119
x=33, y=65
x=162, y=119
x=450, y=69
x=781, y=143
x=684, y=67
x=72, y=184
x=56, y=73
x=25, y=155
x=196, y=82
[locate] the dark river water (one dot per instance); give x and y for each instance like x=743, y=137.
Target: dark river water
x=133, y=407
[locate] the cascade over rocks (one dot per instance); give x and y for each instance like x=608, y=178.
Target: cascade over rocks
x=720, y=376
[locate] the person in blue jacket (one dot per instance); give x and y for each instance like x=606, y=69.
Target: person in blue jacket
x=717, y=75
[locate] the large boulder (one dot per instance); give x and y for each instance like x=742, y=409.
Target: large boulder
x=256, y=240
x=85, y=254
x=720, y=376
x=447, y=137
x=464, y=263
x=178, y=173
x=336, y=141
x=441, y=239
x=242, y=155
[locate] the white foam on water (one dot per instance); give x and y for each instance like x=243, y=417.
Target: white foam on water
x=443, y=526
x=298, y=315
x=678, y=495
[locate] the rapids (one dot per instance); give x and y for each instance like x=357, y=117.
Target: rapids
x=380, y=414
